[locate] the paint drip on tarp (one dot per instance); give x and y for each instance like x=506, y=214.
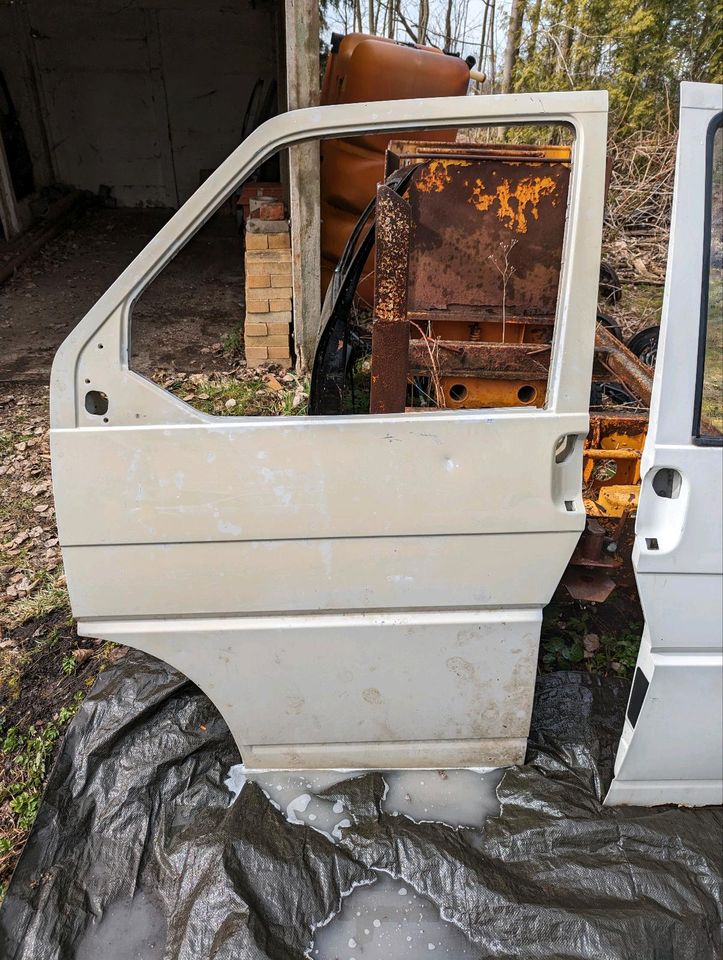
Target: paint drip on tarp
x=140, y=850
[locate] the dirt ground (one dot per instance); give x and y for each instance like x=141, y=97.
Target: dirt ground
x=195, y=303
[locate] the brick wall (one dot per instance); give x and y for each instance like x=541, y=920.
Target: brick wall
x=267, y=330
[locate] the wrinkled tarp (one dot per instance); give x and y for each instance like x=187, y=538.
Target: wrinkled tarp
x=136, y=830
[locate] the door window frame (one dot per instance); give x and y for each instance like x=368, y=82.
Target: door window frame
x=699, y=439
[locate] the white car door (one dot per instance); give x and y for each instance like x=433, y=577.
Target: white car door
x=354, y=591
x=671, y=749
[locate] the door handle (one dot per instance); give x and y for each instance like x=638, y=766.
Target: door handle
x=661, y=513
x=567, y=472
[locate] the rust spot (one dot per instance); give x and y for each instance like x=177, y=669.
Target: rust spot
x=434, y=177
x=527, y=193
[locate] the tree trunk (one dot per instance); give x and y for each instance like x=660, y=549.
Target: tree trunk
x=534, y=28
x=423, y=21
x=512, y=49
x=493, y=56
x=448, y=27
x=389, y=31
x=483, y=39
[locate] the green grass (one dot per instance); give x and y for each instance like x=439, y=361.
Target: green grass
x=49, y=596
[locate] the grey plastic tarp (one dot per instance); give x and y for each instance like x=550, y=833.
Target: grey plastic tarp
x=137, y=843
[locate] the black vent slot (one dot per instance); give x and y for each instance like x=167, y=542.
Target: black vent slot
x=637, y=695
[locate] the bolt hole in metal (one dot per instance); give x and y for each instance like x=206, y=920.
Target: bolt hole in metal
x=667, y=483
x=100, y=346
x=652, y=543
x=96, y=403
x=526, y=394
x=458, y=392
x=570, y=506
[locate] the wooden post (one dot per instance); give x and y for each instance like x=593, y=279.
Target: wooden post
x=302, y=87
x=9, y=216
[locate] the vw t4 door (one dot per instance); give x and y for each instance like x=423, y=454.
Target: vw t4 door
x=355, y=591
x=671, y=749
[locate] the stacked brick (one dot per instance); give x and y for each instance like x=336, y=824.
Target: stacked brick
x=267, y=330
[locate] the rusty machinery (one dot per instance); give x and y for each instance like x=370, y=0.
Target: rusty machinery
x=469, y=246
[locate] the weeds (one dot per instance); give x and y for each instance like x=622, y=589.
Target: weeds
x=233, y=341
x=68, y=665
x=568, y=643
x=25, y=757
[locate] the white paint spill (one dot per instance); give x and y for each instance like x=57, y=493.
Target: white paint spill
x=235, y=780
x=297, y=805
x=383, y=920
x=336, y=832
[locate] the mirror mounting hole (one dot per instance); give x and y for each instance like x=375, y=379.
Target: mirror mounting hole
x=527, y=393
x=96, y=403
x=667, y=483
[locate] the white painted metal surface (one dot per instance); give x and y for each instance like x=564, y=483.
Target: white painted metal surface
x=673, y=752
x=350, y=591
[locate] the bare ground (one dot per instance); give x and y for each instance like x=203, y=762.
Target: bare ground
x=195, y=303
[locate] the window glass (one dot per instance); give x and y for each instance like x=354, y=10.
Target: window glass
x=710, y=423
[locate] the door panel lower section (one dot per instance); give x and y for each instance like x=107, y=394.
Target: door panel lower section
x=289, y=576
x=404, y=689
x=674, y=751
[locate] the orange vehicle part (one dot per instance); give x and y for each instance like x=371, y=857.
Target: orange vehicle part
x=611, y=463
x=363, y=68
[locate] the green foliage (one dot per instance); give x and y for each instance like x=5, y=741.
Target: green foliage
x=568, y=644
x=68, y=665
x=26, y=754
x=638, y=51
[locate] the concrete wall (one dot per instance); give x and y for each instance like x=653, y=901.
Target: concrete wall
x=141, y=96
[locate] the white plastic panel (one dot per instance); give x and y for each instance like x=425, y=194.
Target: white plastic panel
x=350, y=591
x=672, y=752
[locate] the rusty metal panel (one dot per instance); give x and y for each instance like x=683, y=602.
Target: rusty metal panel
x=485, y=360
x=484, y=269
x=624, y=365
x=390, y=333
x=509, y=215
